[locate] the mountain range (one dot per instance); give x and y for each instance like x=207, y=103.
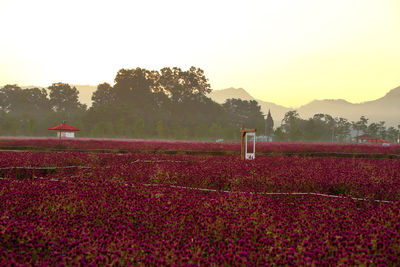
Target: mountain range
x=386, y=108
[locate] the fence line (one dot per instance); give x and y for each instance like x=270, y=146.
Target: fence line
x=160, y=160
x=269, y=193
x=228, y=191
x=45, y=168
x=85, y=167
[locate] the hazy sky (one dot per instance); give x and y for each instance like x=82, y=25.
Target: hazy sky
x=288, y=52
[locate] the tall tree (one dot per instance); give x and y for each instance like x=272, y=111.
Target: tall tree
x=342, y=129
x=134, y=90
x=392, y=134
x=103, y=96
x=382, y=130
x=269, y=125
x=181, y=85
x=280, y=134
x=239, y=112
x=398, y=136
x=373, y=129
x=64, y=98
x=15, y=100
x=355, y=125
x=292, y=125
x=363, y=122
x=319, y=128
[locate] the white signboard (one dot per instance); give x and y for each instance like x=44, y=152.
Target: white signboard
x=251, y=155
x=65, y=134
x=69, y=134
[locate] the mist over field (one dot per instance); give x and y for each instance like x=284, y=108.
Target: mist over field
x=385, y=108
x=172, y=103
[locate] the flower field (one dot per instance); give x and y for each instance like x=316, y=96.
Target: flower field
x=86, y=208
x=160, y=146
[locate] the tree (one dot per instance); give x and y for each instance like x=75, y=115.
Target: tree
x=186, y=102
x=319, y=128
x=135, y=91
x=392, y=134
x=398, y=136
x=174, y=97
x=139, y=128
x=10, y=125
x=269, y=126
x=181, y=85
x=215, y=130
x=242, y=112
x=363, y=124
x=15, y=100
x=382, y=130
x=356, y=126
x=11, y=99
x=64, y=98
x=103, y=96
x=134, y=86
x=280, y=134
x=342, y=129
x=292, y=125
x=161, y=131
x=373, y=129
x=23, y=109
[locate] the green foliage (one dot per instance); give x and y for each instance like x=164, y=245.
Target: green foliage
x=241, y=112
x=280, y=134
x=161, y=132
x=64, y=98
x=323, y=127
x=170, y=104
x=269, y=125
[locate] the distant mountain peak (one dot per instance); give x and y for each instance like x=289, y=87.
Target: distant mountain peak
x=220, y=96
x=383, y=109
x=395, y=92
x=331, y=101
x=238, y=90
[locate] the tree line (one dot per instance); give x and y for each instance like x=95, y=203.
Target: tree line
x=323, y=127
x=170, y=103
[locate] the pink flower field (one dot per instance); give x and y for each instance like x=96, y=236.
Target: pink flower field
x=143, y=145
x=87, y=208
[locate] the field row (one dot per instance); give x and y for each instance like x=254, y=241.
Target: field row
x=363, y=178
x=137, y=145
x=105, y=214
x=46, y=222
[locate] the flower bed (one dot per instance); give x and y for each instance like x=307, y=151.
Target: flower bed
x=136, y=145
x=128, y=209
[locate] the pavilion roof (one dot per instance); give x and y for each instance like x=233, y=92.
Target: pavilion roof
x=376, y=140
x=64, y=127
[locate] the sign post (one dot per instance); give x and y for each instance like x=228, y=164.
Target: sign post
x=243, y=151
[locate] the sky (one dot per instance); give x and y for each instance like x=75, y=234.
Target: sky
x=289, y=52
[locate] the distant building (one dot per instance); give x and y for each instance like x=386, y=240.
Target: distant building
x=366, y=138
x=363, y=138
x=376, y=140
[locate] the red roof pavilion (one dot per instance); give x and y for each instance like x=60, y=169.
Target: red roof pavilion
x=64, y=127
x=377, y=141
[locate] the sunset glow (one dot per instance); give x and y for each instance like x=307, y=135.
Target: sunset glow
x=286, y=52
